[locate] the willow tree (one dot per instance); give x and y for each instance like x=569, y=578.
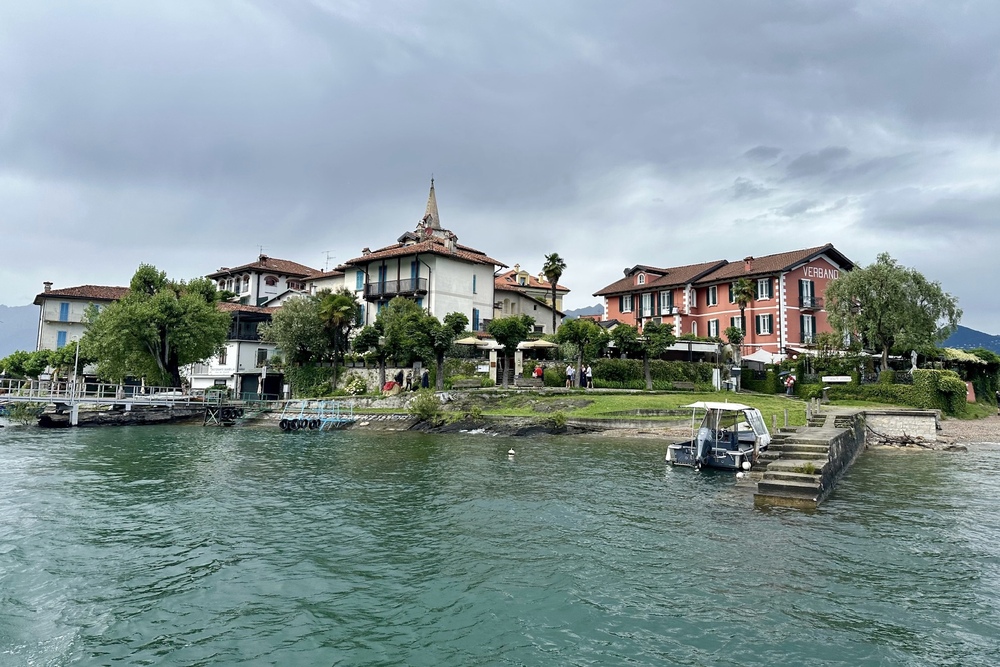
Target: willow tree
x=553, y=269
x=889, y=306
x=159, y=326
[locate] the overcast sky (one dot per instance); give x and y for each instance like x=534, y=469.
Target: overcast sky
x=188, y=133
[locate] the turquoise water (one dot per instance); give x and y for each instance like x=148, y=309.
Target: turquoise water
x=202, y=546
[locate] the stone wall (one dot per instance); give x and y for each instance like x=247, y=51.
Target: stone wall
x=898, y=423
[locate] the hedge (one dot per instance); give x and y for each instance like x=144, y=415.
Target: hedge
x=931, y=389
x=629, y=372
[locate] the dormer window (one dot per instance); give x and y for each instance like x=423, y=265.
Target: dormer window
x=641, y=279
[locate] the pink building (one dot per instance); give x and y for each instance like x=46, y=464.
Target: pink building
x=786, y=313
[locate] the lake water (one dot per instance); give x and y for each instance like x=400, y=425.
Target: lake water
x=204, y=546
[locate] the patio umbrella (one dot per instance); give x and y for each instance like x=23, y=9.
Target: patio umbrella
x=468, y=340
x=536, y=345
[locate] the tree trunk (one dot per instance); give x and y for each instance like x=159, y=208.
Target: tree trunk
x=381, y=373
x=504, y=371
x=439, y=380
x=579, y=368
x=646, y=372
x=885, y=358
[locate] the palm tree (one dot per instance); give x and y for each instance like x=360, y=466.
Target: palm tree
x=743, y=292
x=553, y=269
x=339, y=314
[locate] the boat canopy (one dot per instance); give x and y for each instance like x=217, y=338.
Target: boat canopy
x=715, y=405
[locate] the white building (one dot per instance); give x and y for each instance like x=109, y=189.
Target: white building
x=241, y=365
x=260, y=282
x=63, y=311
x=429, y=266
x=518, y=292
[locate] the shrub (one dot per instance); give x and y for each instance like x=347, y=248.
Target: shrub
x=558, y=420
x=555, y=377
x=355, y=385
x=24, y=413
x=310, y=381
x=426, y=407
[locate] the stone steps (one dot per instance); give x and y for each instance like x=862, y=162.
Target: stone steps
x=788, y=476
x=785, y=488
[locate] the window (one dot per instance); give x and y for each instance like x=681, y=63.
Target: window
x=807, y=294
x=808, y=324
x=223, y=353
x=666, y=303
x=473, y=283
x=475, y=319
x=359, y=280
x=641, y=279
x=764, y=288
x=732, y=292
x=647, y=304
x=712, y=297
x=625, y=303
x=736, y=322
x=713, y=328
x=246, y=283
x=765, y=324
x=694, y=328
x=64, y=312
x=60, y=339
x=261, y=356
x=270, y=281
x=361, y=316
x=694, y=297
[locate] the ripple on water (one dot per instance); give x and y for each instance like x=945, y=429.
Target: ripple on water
x=213, y=546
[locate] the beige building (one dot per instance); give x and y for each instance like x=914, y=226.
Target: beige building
x=61, y=319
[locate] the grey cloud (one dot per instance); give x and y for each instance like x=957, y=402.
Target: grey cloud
x=744, y=188
x=796, y=208
x=763, y=153
x=818, y=162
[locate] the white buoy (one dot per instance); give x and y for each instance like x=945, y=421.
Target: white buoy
x=739, y=475
x=510, y=452
x=746, y=465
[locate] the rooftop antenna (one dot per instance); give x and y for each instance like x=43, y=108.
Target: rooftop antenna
x=329, y=255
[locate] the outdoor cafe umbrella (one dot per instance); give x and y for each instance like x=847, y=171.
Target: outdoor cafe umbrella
x=536, y=345
x=468, y=340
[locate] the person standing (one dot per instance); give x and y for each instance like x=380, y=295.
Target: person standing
x=789, y=385
x=590, y=377
x=569, y=376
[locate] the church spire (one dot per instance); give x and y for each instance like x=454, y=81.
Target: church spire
x=431, y=217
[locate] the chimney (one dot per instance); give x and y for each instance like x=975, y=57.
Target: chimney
x=262, y=258
x=517, y=268
x=48, y=285
x=366, y=251
x=748, y=264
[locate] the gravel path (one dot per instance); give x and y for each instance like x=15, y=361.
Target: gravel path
x=971, y=430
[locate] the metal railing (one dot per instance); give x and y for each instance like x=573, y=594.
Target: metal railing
x=809, y=302
x=390, y=288
x=66, y=391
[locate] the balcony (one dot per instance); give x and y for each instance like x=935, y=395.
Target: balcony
x=809, y=302
x=808, y=338
x=387, y=289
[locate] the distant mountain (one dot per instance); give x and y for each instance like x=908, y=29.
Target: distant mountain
x=596, y=309
x=965, y=338
x=18, y=328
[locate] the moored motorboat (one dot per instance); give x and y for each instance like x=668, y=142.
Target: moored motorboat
x=723, y=435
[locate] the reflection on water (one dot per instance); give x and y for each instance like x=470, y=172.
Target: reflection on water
x=188, y=545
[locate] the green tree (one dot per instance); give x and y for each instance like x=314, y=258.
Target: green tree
x=441, y=336
x=626, y=340
x=157, y=327
x=510, y=332
x=405, y=339
x=581, y=333
x=23, y=364
x=297, y=330
x=735, y=337
x=339, y=312
x=370, y=339
x=655, y=339
x=553, y=269
x=891, y=307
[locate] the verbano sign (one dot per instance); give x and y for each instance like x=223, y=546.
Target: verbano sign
x=820, y=272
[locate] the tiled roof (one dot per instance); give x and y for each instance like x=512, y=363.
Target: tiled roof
x=91, y=292
x=265, y=263
x=771, y=264
x=321, y=275
x=434, y=246
x=675, y=276
x=511, y=278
